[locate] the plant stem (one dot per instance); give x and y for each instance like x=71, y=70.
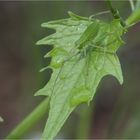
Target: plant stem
x=137, y=4
x=134, y=17
x=84, y=124
x=115, y=13
x=30, y=120
x=132, y=5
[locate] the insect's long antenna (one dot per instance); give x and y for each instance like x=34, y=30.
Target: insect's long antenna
x=98, y=14
x=87, y=69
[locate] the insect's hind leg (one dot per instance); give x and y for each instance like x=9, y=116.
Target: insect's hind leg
x=102, y=46
x=100, y=49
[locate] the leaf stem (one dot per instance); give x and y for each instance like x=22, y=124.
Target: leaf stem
x=115, y=13
x=132, y=5
x=30, y=120
x=84, y=124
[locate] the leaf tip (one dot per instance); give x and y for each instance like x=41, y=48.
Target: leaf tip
x=44, y=24
x=121, y=81
x=36, y=94
x=45, y=68
x=38, y=43
x=39, y=93
x=1, y=119
x=69, y=13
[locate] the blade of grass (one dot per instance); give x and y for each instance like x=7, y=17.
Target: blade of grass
x=34, y=117
x=137, y=4
x=132, y=5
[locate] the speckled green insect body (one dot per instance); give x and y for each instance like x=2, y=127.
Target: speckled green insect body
x=89, y=34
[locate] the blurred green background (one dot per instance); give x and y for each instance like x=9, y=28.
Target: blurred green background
x=115, y=108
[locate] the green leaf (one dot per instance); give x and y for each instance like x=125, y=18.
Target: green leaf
x=77, y=73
